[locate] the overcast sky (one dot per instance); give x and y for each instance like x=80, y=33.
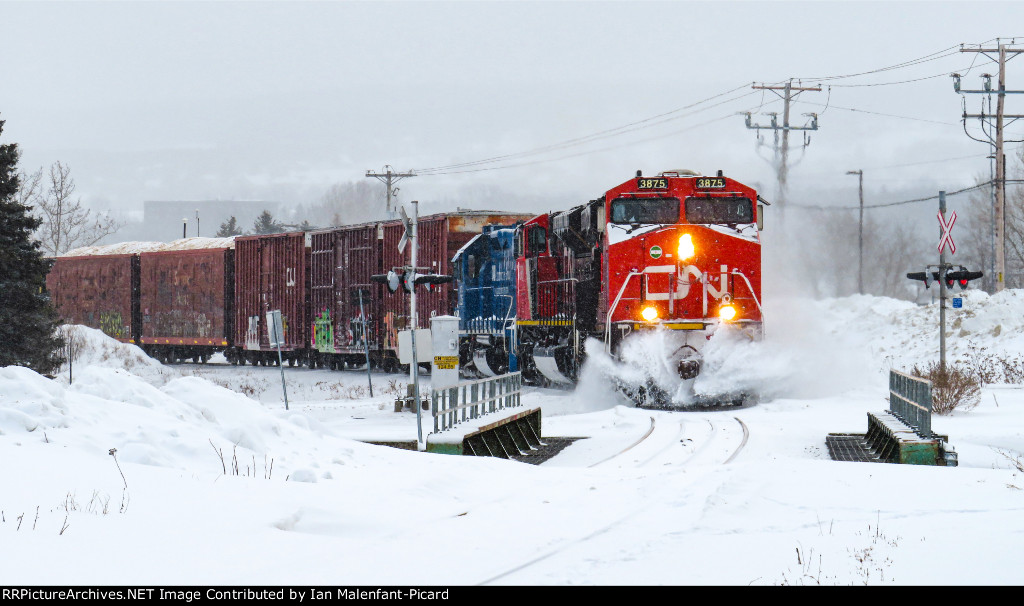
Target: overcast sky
x=278, y=100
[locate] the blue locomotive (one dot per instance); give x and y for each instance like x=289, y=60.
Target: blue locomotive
x=485, y=271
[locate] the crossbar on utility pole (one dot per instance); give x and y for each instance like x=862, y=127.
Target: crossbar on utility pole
x=789, y=92
x=389, y=178
x=1002, y=50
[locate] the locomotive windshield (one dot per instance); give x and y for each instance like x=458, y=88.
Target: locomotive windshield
x=731, y=209
x=645, y=210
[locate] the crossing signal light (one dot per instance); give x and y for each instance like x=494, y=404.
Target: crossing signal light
x=924, y=276
x=407, y=280
x=962, y=277
x=393, y=280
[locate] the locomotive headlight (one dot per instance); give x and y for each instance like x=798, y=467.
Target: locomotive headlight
x=649, y=313
x=726, y=312
x=686, y=249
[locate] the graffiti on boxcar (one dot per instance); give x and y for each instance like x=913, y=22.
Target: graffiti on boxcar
x=179, y=323
x=252, y=334
x=113, y=324
x=323, y=332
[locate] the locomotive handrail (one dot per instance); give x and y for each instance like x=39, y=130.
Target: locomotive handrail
x=508, y=321
x=739, y=273
x=608, y=318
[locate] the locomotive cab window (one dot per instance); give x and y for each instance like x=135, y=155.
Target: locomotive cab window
x=727, y=209
x=537, y=241
x=627, y=211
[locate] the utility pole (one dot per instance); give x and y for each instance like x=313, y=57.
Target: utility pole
x=389, y=178
x=860, y=233
x=781, y=148
x=1000, y=52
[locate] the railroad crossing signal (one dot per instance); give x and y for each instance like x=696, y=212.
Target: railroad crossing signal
x=946, y=235
x=406, y=279
x=961, y=276
x=408, y=230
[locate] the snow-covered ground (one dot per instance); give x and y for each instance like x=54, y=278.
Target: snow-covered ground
x=137, y=473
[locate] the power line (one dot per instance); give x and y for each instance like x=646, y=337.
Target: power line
x=594, y=151
x=469, y=167
x=626, y=128
x=944, y=74
x=865, y=111
x=665, y=117
x=929, y=57
x=901, y=202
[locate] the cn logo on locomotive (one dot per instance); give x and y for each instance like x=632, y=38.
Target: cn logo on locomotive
x=687, y=276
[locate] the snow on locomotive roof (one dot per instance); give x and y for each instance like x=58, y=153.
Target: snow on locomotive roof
x=127, y=248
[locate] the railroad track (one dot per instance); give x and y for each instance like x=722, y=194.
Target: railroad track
x=701, y=450
x=647, y=449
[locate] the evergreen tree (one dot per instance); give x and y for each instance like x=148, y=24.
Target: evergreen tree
x=265, y=224
x=28, y=324
x=229, y=228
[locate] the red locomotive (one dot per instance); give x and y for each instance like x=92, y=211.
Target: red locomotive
x=678, y=252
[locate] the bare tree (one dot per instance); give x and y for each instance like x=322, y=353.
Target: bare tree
x=66, y=224
x=30, y=188
x=889, y=249
x=826, y=251
x=980, y=242
x=347, y=203
x=979, y=237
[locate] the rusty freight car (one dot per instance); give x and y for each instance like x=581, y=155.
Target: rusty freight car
x=341, y=263
x=99, y=291
x=270, y=274
x=187, y=303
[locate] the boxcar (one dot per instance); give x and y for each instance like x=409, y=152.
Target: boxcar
x=187, y=303
x=270, y=274
x=344, y=301
x=98, y=291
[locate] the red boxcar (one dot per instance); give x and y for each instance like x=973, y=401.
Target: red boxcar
x=342, y=260
x=97, y=291
x=270, y=274
x=187, y=302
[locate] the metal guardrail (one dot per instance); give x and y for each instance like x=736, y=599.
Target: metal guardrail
x=910, y=399
x=472, y=399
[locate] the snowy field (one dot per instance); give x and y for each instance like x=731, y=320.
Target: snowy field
x=214, y=482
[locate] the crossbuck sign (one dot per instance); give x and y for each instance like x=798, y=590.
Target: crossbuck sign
x=946, y=236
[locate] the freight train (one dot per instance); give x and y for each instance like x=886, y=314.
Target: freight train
x=677, y=252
